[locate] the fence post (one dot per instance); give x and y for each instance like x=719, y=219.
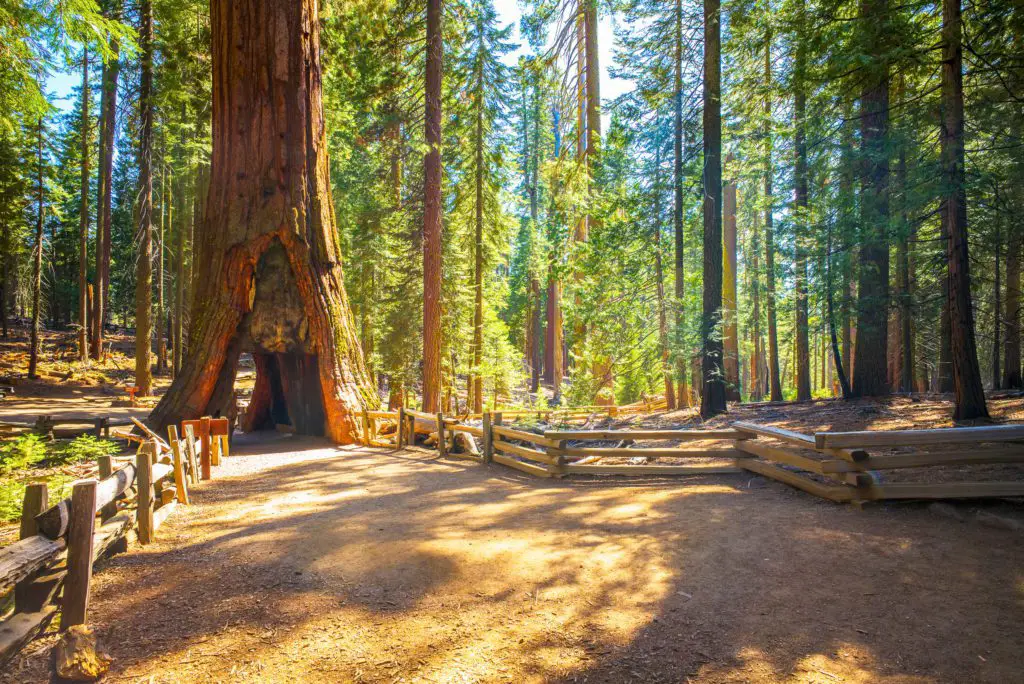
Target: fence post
x=366, y=427
x=37, y=500
x=204, y=447
x=442, y=448
x=180, y=488
x=401, y=427
x=75, y=605
x=488, y=438
x=144, y=478
x=106, y=470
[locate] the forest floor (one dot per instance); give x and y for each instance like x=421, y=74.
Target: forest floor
x=303, y=561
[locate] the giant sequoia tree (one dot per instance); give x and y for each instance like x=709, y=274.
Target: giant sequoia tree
x=269, y=274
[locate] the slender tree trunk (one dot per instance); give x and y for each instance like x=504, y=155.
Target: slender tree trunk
x=969, y=396
x=774, y=379
x=264, y=243
x=757, y=363
x=177, y=350
x=677, y=214
x=108, y=134
x=83, y=221
x=432, y=213
x=554, y=341
x=37, y=262
x=659, y=277
x=537, y=332
x=871, y=353
x=476, y=393
x=144, y=262
x=801, y=200
x=1011, y=344
x=997, y=312
x=839, y=359
x=165, y=221
x=713, y=381
x=729, y=311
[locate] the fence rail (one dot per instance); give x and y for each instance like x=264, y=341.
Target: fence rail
x=59, y=543
x=838, y=466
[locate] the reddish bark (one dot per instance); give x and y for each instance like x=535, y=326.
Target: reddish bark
x=269, y=190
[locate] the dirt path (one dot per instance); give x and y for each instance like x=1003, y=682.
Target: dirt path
x=305, y=562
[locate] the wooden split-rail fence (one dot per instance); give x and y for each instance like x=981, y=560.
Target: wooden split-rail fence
x=838, y=466
x=50, y=568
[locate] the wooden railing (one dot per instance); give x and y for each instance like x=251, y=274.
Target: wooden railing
x=60, y=543
x=846, y=459
x=838, y=466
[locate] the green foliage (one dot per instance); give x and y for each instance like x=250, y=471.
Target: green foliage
x=21, y=453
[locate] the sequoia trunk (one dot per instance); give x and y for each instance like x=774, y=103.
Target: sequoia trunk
x=269, y=275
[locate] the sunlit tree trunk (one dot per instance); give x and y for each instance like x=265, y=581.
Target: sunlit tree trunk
x=659, y=277
x=144, y=261
x=83, y=221
x=37, y=261
x=801, y=193
x=774, y=377
x=677, y=212
x=731, y=338
x=432, y=213
x=270, y=231
x=108, y=132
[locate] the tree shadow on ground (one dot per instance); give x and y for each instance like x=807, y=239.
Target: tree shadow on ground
x=340, y=564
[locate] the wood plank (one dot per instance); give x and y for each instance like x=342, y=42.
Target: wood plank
x=54, y=521
x=470, y=429
x=524, y=436
x=603, y=452
x=164, y=446
x=936, y=458
x=21, y=628
x=881, y=438
x=81, y=535
x=948, y=490
x=161, y=514
x=776, y=432
x=681, y=435
x=525, y=452
x=830, y=492
x=180, y=486
x=22, y=558
x=770, y=453
x=596, y=469
x=538, y=471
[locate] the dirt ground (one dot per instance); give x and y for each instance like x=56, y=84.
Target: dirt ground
x=308, y=562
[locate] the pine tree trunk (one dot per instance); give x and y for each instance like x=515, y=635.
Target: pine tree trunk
x=177, y=349
x=269, y=277
x=677, y=214
x=432, y=213
x=871, y=353
x=144, y=237
x=1011, y=344
x=37, y=263
x=108, y=133
x=729, y=311
x=756, y=392
x=166, y=215
x=659, y=278
x=83, y=221
x=477, y=384
x=712, y=376
x=774, y=377
x=801, y=198
x=997, y=312
x=969, y=397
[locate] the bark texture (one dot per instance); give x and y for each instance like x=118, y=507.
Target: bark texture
x=432, y=214
x=1011, y=341
x=969, y=397
x=269, y=211
x=712, y=399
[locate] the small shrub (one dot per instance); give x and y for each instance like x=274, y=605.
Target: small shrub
x=84, y=448
x=21, y=453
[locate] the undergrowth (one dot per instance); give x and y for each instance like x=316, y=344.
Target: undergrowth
x=30, y=458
